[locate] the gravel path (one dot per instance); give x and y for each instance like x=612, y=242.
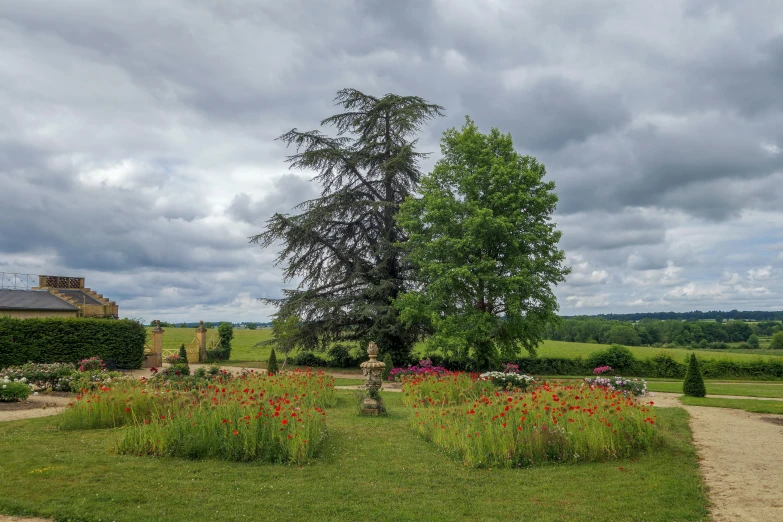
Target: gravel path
x=741, y=457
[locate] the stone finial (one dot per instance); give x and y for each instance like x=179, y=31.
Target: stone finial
x=201, y=327
x=372, y=350
x=157, y=328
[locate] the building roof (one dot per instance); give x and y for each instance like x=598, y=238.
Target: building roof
x=80, y=297
x=32, y=300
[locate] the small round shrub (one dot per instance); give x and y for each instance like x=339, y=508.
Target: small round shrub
x=340, y=356
x=777, y=341
x=307, y=358
x=11, y=391
x=617, y=356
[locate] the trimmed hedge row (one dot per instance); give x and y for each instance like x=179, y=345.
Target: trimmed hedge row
x=660, y=366
x=119, y=343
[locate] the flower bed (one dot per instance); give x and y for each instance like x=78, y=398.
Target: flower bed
x=509, y=380
x=55, y=376
x=552, y=423
x=12, y=390
x=630, y=387
x=425, y=367
x=275, y=419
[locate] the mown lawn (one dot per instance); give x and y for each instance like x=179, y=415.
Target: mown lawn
x=772, y=390
x=566, y=349
x=242, y=346
x=369, y=468
x=749, y=405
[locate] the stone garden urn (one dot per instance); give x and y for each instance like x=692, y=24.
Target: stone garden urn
x=372, y=371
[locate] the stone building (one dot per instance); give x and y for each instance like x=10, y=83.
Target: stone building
x=55, y=296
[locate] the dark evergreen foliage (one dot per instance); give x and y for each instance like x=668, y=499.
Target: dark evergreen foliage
x=119, y=343
x=183, y=352
x=387, y=360
x=271, y=364
x=343, y=244
x=693, y=386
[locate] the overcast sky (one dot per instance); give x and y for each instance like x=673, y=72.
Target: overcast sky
x=137, y=139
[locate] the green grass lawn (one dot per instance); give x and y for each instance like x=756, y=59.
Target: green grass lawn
x=242, y=346
x=741, y=388
x=567, y=349
x=750, y=405
x=369, y=468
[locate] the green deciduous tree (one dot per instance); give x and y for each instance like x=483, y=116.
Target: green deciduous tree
x=777, y=341
x=343, y=246
x=286, y=335
x=753, y=341
x=484, y=247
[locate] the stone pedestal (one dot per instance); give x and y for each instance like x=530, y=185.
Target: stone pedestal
x=201, y=336
x=156, y=357
x=372, y=370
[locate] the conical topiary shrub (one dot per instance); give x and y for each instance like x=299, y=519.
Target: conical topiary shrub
x=183, y=353
x=271, y=364
x=694, y=383
x=387, y=360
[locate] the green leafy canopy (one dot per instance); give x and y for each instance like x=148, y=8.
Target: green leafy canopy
x=484, y=247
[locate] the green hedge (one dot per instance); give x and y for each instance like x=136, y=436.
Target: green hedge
x=660, y=366
x=119, y=343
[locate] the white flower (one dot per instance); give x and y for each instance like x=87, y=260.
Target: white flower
x=5, y=386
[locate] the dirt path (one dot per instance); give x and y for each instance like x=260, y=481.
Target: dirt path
x=37, y=406
x=741, y=455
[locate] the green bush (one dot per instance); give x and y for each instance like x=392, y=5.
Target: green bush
x=307, y=358
x=225, y=335
x=387, y=360
x=183, y=353
x=271, y=364
x=14, y=391
x=617, y=356
x=693, y=386
x=340, y=356
x=777, y=341
x=119, y=343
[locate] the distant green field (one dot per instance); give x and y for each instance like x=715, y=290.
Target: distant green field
x=566, y=349
x=243, y=350
x=242, y=347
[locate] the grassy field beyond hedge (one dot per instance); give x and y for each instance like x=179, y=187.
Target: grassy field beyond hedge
x=369, y=468
x=243, y=350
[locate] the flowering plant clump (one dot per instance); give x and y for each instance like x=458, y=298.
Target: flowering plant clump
x=175, y=359
x=630, y=387
x=603, y=370
x=510, y=368
x=508, y=380
x=424, y=367
x=276, y=419
x=92, y=364
x=54, y=376
x=552, y=422
x=13, y=390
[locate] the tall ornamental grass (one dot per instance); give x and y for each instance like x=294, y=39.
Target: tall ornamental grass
x=276, y=418
x=551, y=423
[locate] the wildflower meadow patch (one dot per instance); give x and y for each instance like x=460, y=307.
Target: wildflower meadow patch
x=553, y=422
x=278, y=418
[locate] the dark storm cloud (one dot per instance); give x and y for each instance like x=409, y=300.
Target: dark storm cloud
x=137, y=139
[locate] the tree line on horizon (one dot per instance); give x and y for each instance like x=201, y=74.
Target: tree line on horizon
x=656, y=332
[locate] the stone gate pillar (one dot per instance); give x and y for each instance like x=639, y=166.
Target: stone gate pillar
x=157, y=345
x=201, y=335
